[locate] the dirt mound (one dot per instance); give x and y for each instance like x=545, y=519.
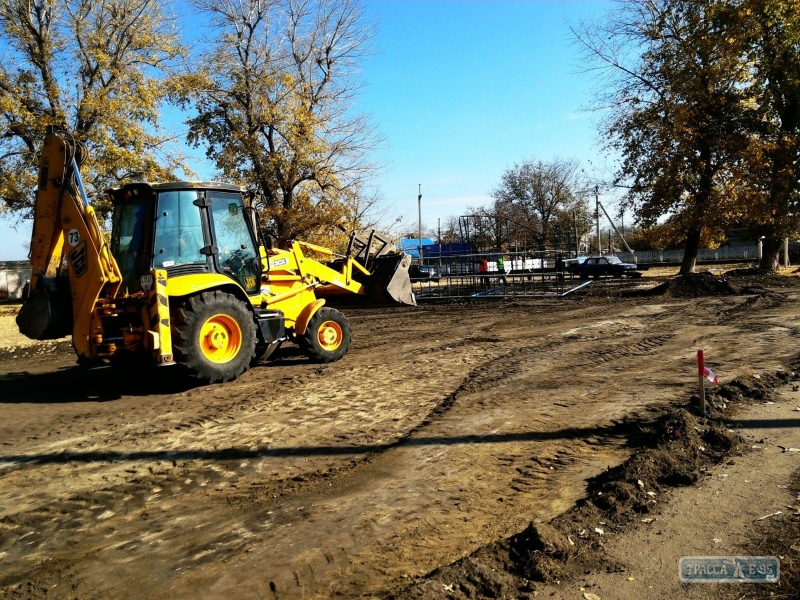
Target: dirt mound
x=680, y=448
x=694, y=285
x=701, y=284
x=758, y=387
x=756, y=278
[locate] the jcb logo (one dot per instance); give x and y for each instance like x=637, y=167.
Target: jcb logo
x=249, y=282
x=78, y=259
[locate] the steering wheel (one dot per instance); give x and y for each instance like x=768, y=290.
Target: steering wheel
x=236, y=262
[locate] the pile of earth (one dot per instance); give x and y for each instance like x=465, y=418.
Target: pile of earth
x=753, y=278
x=758, y=387
x=695, y=285
x=673, y=450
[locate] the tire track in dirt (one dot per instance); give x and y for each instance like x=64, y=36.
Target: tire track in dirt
x=78, y=504
x=507, y=423
x=303, y=576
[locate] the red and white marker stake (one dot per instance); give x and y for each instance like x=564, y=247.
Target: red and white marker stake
x=704, y=373
x=701, y=371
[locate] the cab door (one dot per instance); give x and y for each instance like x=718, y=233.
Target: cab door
x=235, y=244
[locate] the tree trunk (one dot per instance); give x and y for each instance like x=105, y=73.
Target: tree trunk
x=770, y=253
x=690, y=253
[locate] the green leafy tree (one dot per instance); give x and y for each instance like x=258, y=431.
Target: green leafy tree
x=93, y=68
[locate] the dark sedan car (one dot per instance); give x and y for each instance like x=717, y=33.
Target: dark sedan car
x=603, y=266
x=423, y=273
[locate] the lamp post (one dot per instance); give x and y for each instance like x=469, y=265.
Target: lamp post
x=419, y=224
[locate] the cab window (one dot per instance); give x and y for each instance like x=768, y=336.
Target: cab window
x=237, y=253
x=128, y=239
x=179, y=230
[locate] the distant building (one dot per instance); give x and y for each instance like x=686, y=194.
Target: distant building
x=443, y=250
x=411, y=246
x=13, y=277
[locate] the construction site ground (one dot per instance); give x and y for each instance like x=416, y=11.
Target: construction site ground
x=446, y=429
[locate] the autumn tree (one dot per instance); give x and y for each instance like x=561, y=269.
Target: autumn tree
x=769, y=176
x=93, y=68
x=671, y=83
x=274, y=106
x=542, y=199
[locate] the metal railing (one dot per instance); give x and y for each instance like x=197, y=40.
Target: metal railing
x=519, y=274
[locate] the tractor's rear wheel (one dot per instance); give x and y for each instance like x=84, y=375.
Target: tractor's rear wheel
x=327, y=337
x=214, y=336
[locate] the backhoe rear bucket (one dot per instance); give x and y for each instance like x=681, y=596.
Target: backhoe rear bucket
x=47, y=312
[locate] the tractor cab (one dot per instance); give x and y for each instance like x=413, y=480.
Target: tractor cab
x=184, y=228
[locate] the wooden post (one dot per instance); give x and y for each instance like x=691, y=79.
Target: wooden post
x=701, y=374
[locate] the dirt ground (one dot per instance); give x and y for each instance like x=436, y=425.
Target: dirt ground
x=445, y=429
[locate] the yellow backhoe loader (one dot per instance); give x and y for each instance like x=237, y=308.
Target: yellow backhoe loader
x=187, y=277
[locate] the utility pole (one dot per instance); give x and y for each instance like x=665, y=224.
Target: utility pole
x=577, y=237
x=419, y=225
x=597, y=215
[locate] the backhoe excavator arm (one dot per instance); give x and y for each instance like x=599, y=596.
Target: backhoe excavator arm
x=71, y=265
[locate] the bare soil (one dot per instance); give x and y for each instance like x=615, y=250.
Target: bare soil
x=446, y=430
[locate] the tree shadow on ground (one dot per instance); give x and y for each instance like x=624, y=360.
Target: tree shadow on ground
x=623, y=433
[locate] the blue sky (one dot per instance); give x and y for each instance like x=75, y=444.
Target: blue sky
x=461, y=90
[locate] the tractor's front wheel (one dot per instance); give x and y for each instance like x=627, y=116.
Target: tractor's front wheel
x=214, y=336
x=327, y=337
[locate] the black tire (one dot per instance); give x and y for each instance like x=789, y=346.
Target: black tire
x=327, y=323
x=222, y=314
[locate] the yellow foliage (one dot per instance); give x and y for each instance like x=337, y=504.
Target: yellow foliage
x=272, y=110
x=90, y=67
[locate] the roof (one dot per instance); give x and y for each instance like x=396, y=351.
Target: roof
x=197, y=185
x=183, y=185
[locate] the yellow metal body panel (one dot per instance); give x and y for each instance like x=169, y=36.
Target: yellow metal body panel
x=194, y=283
x=290, y=278
x=160, y=319
x=306, y=315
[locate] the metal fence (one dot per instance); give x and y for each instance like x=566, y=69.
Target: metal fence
x=744, y=252
x=519, y=274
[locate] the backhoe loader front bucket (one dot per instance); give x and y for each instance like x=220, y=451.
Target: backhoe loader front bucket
x=389, y=282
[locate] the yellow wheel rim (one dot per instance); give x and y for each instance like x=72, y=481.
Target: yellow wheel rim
x=330, y=335
x=220, y=338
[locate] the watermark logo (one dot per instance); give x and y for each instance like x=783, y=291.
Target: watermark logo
x=729, y=569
